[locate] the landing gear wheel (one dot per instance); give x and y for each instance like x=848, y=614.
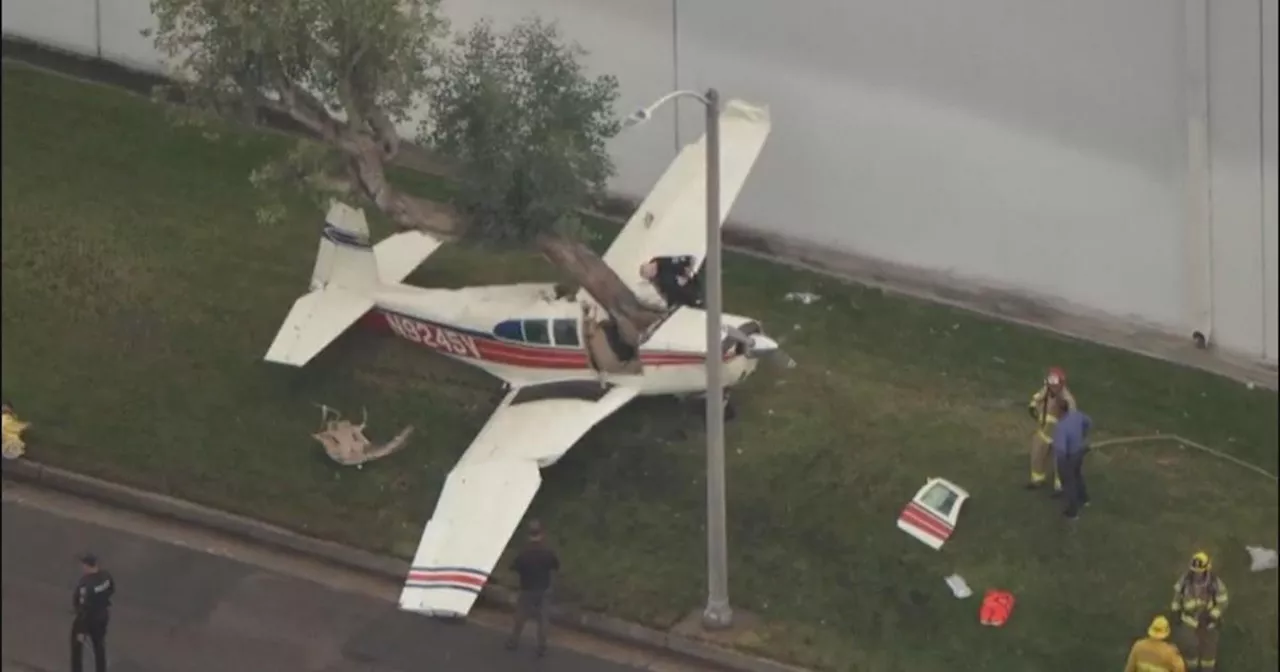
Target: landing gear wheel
x=698, y=404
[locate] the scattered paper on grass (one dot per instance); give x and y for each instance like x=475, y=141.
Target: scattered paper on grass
x=803, y=297
x=1261, y=559
x=346, y=444
x=959, y=587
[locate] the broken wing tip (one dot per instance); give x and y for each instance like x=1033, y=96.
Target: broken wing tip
x=420, y=607
x=742, y=109
x=284, y=356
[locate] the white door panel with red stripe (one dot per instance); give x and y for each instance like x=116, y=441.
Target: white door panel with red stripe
x=931, y=515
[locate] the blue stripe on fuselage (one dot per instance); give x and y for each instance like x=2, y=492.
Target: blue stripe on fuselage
x=339, y=236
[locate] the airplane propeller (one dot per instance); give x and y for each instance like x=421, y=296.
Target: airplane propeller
x=759, y=346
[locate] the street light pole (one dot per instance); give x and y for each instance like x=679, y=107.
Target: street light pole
x=718, y=614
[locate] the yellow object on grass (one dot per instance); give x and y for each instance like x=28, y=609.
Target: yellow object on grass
x=12, y=429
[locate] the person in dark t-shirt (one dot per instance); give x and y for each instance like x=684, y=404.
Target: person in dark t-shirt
x=92, y=603
x=676, y=279
x=536, y=565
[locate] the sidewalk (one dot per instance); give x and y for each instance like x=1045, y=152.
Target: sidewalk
x=193, y=601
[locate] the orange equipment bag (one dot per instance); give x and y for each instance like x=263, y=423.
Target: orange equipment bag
x=996, y=607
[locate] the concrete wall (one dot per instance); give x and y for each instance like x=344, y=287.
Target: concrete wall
x=1114, y=157
x=1270, y=139
x=1243, y=265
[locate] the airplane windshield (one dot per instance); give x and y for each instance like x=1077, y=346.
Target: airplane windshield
x=566, y=332
x=940, y=498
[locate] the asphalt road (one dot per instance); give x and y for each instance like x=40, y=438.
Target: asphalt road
x=182, y=610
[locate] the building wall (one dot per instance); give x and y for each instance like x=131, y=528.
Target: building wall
x=1270, y=245
x=1116, y=157
x=1239, y=259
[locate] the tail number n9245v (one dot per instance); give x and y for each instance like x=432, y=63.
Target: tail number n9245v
x=444, y=340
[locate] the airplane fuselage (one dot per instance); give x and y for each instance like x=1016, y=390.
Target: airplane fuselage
x=523, y=332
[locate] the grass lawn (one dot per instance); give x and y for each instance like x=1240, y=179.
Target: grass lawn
x=139, y=296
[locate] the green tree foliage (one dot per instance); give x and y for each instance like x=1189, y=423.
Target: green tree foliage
x=528, y=129
x=527, y=126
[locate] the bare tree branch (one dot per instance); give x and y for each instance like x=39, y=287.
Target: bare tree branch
x=435, y=218
x=346, y=95
x=386, y=132
x=304, y=108
x=369, y=177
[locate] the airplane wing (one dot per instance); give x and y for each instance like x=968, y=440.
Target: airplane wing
x=671, y=221
x=492, y=485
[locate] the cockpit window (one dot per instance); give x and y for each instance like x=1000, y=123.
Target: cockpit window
x=566, y=332
x=535, y=331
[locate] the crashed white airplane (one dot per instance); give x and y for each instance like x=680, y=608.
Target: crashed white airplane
x=565, y=371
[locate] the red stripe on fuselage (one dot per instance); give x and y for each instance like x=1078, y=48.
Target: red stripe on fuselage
x=532, y=357
x=474, y=345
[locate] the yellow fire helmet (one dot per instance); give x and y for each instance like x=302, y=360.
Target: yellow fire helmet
x=1159, y=628
x=1200, y=562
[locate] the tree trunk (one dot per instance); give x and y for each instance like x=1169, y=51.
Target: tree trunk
x=591, y=273
x=408, y=212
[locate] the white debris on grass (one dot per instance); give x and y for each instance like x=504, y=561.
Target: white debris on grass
x=959, y=587
x=345, y=442
x=803, y=297
x=1261, y=559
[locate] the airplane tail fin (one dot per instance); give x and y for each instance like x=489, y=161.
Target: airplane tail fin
x=347, y=274
x=345, y=258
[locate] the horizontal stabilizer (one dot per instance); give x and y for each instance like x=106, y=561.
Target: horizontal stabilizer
x=315, y=320
x=348, y=272
x=398, y=255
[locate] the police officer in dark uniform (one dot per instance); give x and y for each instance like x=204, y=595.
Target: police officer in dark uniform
x=676, y=279
x=92, y=603
x=536, y=565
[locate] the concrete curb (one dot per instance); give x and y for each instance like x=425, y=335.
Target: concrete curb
x=278, y=538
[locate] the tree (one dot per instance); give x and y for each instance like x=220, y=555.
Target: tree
x=525, y=124
x=529, y=129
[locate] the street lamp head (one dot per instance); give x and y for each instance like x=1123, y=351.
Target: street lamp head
x=636, y=118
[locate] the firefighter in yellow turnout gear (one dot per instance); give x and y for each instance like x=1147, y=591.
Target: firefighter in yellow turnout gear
x=1153, y=653
x=1199, y=600
x=1043, y=410
x=12, y=430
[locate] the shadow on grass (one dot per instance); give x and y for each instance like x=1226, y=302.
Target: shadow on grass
x=139, y=296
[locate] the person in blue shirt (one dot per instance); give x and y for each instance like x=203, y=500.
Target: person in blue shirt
x=1070, y=444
